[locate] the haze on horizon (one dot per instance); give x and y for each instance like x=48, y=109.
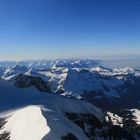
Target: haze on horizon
x=35, y=29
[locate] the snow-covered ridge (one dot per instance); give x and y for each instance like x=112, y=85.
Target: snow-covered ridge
x=14, y=71
x=45, y=117
x=27, y=124
x=80, y=81
x=116, y=71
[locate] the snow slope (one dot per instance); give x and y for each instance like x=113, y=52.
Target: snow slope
x=82, y=81
x=27, y=124
x=17, y=69
x=44, y=113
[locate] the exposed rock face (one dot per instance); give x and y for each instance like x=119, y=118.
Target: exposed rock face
x=130, y=125
x=4, y=135
x=88, y=122
x=24, y=81
x=69, y=136
x=94, y=129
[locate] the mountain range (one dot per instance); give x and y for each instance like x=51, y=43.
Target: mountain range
x=68, y=99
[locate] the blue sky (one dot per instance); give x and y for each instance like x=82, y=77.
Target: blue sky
x=32, y=29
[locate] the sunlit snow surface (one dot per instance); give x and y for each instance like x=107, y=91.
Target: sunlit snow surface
x=27, y=124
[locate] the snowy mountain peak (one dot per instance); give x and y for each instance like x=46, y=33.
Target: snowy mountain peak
x=17, y=69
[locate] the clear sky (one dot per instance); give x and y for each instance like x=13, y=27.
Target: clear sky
x=32, y=29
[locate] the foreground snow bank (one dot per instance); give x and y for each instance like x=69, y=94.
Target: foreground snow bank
x=33, y=115
x=27, y=124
